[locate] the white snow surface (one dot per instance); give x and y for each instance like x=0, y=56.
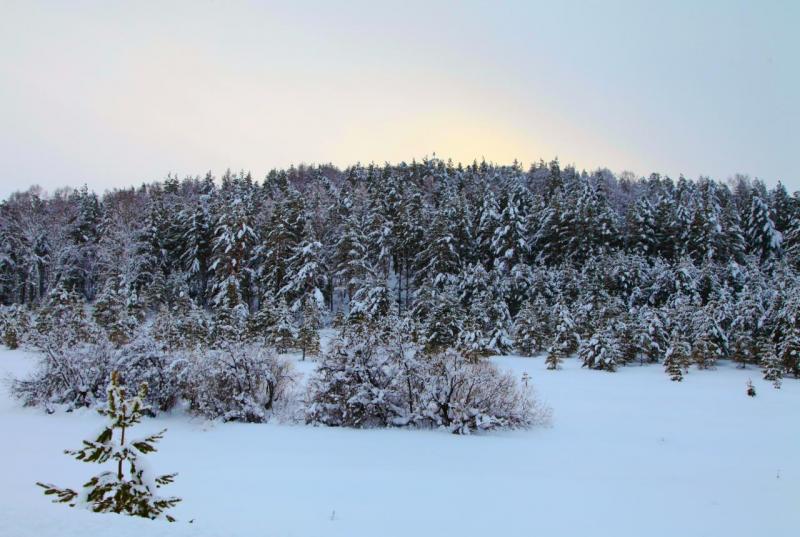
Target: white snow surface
x=629, y=454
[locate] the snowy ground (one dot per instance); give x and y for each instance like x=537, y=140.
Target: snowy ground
x=629, y=453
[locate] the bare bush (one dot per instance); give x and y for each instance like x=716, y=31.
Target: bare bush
x=238, y=383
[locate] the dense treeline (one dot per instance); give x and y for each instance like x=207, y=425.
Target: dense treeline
x=485, y=259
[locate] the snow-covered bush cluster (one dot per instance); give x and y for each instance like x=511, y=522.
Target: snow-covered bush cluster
x=482, y=259
x=373, y=377
x=232, y=381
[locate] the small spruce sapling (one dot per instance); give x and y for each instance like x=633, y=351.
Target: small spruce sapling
x=128, y=489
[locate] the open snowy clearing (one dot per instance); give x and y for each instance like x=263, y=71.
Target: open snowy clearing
x=629, y=453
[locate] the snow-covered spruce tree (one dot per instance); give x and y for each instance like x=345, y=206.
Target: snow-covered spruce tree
x=111, y=313
x=565, y=341
x=362, y=381
x=128, y=489
x=282, y=333
x=238, y=383
x=307, y=335
x=371, y=302
x=601, y=351
x=464, y=397
x=676, y=357
x=706, y=347
x=532, y=331
x=770, y=363
x=14, y=325
x=763, y=239
x=62, y=321
x=440, y=330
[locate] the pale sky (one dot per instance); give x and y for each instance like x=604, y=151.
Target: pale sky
x=117, y=93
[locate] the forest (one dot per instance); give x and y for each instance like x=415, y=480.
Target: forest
x=198, y=285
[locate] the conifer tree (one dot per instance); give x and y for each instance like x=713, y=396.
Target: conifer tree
x=770, y=364
x=564, y=341
x=531, y=330
x=128, y=489
x=307, y=335
x=676, y=357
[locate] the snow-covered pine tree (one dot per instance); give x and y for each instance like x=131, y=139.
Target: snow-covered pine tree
x=282, y=334
x=128, y=489
x=307, y=335
x=564, y=341
x=444, y=323
x=706, y=347
x=601, y=351
x=770, y=363
x=763, y=238
x=676, y=357
x=111, y=313
x=532, y=331
x=62, y=321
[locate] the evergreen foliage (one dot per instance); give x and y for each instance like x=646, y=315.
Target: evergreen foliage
x=129, y=489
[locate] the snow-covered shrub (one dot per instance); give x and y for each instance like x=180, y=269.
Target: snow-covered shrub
x=368, y=381
x=144, y=361
x=465, y=397
x=238, y=383
x=72, y=376
x=363, y=381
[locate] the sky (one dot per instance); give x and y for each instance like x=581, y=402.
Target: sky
x=113, y=94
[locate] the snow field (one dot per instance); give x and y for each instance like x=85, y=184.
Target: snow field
x=629, y=453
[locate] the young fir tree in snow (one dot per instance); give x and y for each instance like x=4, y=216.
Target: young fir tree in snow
x=531, y=327
x=111, y=313
x=706, y=347
x=14, y=325
x=564, y=340
x=282, y=333
x=676, y=357
x=128, y=489
x=601, y=351
x=444, y=323
x=307, y=335
x=770, y=363
x=62, y=321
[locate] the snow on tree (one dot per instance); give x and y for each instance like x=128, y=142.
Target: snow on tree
x=676, y=357
x=464, y=397
x=565, y=340
x=762, y=236
x=62, y=321
x=112, y=314
x=371, y=302
x=707, y=345
x=532, y=330
x=770, y=363
x=129, y=489
x=363, y=382
x=239, y=383
x=307, y=335
x=444, y=322
x=282, y=333
x=306, y=274
x=601, y=351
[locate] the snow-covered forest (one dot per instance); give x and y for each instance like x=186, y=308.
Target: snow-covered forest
x=197, y=285
x=391, y=298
